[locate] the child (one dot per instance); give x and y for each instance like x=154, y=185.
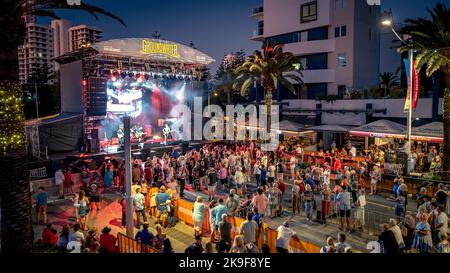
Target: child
x=443, y=246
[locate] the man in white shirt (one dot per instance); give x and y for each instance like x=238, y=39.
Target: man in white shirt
x=74, y=247
x=271, y=173
x=59, y=181
x=249, y=229
x=397, y=233
x=139, y=207
x=284, y=236
x=441, y=223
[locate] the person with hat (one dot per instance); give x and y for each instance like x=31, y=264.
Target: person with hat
x=284, y=236
x=107, y=241
x=91, y=238
x=161, y=203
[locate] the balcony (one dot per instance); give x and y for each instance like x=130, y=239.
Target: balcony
x=258, y=13
x=318, y=76
x=311, y=47
x=258, y=35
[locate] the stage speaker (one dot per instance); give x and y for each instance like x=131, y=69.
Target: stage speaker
x=96, y=96
x=94, y=133
x=94, y=146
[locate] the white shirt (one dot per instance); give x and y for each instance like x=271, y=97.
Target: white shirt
x=59, y=177
x=362, y=200
x=398, y=235
x=139, y=201
x=284, y=236
x=442, y=219
x=271, y=171
x=74, y=247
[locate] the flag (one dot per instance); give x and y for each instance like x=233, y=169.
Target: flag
x=413, y=90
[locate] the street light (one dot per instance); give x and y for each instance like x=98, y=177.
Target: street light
x=387, y=21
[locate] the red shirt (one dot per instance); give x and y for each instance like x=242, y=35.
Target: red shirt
x=148, y=174
x=124, y=205
x=108, y=242
x=48, y=237
x=282, y=187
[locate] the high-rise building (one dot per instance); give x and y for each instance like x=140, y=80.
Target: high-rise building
x=338, y=41
x=81, y=35
x=37, y=51
x=60, y=29
x=43, y=43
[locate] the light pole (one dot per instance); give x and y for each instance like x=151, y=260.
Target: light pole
x=388, y=22
x=127, y=150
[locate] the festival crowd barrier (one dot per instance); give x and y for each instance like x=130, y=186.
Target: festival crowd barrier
x=126, y=244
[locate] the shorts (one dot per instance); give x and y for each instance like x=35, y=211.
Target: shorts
x=212, y=188
x=344, y=213
x=95, y=198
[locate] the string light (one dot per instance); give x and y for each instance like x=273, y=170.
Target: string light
x=12, y=127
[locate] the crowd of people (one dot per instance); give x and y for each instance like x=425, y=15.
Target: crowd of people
x=216, y=168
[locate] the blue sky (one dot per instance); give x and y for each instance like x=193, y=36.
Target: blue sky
x=216, y=27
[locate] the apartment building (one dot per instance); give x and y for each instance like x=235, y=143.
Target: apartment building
x=338, y=41
x=44, y=43
x=82, y=34
x=36, y=52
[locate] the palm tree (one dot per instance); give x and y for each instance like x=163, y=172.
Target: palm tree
x=270, y=68
x=16, y=223
x=430, y=39
x=388, y=79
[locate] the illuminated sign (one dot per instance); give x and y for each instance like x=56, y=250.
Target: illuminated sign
x=149, y=47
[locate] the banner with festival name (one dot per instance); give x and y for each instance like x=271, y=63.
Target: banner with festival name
x=413, y=90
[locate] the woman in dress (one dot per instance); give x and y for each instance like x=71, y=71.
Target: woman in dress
x=108, y=177
x=198, y=215
x=360, y=209
x=422, y=239
x=408, y=232
x=83, y=210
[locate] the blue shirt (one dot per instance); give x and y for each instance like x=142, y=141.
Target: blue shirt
x=145, y=236
x=161, y=198
x=42, y=198
x=217, y=213
x=257, y=218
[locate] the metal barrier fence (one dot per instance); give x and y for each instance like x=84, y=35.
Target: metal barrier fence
x=130, y=245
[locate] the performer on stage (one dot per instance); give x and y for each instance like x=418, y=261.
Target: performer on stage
x=166, y=132
x=120, y=135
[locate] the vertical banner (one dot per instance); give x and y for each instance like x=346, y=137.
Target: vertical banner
x=408, y=91
x=413, y=91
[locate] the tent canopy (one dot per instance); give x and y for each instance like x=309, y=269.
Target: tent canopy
x=331, y=128
x=287, y=125
x=434, y=129
x=380, y=128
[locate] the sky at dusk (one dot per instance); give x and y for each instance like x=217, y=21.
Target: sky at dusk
x=216, y=27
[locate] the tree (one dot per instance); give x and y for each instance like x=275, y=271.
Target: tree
x=388, y=79
x=225, y=78
x=15, y=195
x=430, y=40
x=270, y=68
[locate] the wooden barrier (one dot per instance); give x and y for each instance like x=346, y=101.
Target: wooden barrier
x=129, y=245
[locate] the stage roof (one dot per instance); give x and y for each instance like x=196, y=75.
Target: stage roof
x=154, y=50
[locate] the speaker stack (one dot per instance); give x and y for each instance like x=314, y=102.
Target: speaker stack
x=94, y=142
x=97, y=97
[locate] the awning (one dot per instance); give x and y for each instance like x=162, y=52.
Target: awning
x=433, y=132
x=331, y=128
x=380, y=128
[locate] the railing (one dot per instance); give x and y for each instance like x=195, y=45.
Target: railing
x=130, y=245
x=258, y=10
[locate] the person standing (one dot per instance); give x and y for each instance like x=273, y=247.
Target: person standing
x=422, y=239
x=183, y=174
x=344, y=208
x=284, y=236
x=397, y=233
x=296, y=206
x=108, y=176
x=361, y=209
x=212, y=183
x=139, y=207
x=260, y=202
x=257, y=173
x=388, y=241
x=107, y=241
x=198, y=215
x=196, y=247
x=249, y=229
x=326, y=200
x=59, y=182
x=41, y=205
x=309, y=203
x=68, y=182
x=83, y=210
x=225, y=229
x=162, y=199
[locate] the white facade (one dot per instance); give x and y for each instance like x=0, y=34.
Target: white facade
x=338, y=40
x=36, y=52
x=60, y=29
x=82, y=34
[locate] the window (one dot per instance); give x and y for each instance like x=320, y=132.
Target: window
x=308, y=12
x=315, y=90
x=342, y=60
x=341, y=90
x=288, y=38
x=318, y=34
x=340, y=31
x=314, y=61
x=340, y=4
